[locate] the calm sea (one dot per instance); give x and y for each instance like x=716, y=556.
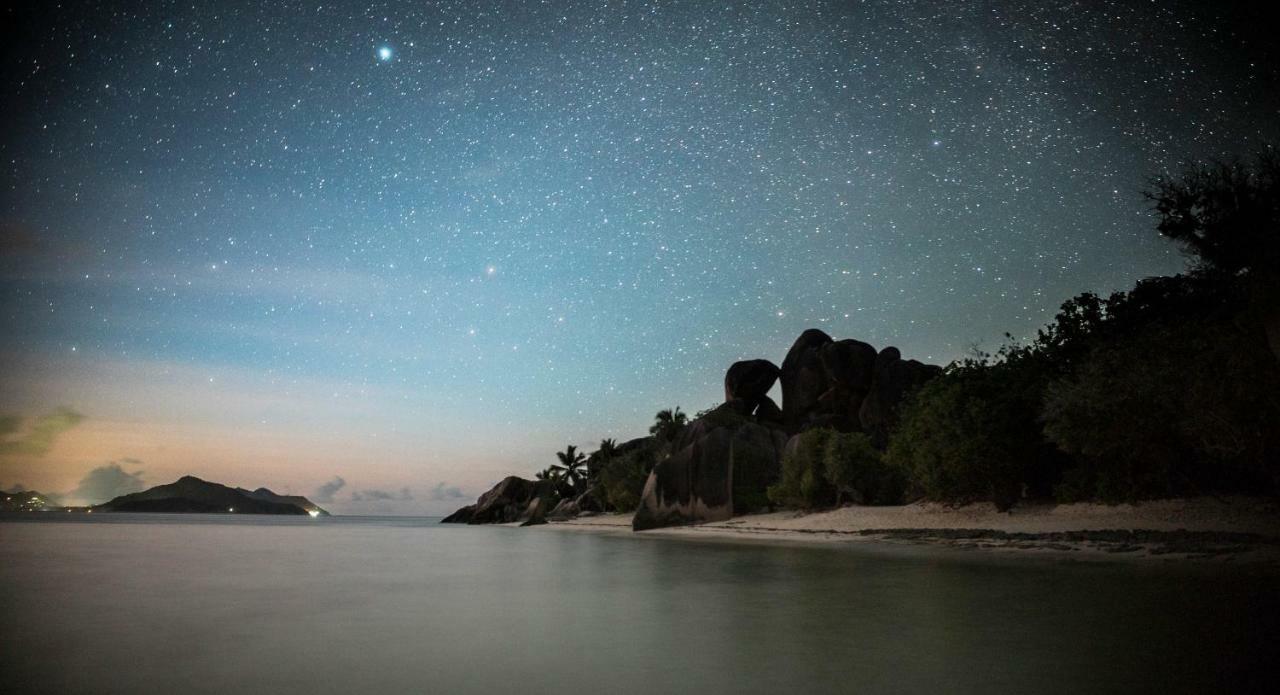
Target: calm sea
x=223, y=604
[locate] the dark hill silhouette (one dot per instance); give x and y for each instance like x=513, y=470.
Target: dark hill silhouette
x=23, y=501
x=266, y=495
x=190, y=494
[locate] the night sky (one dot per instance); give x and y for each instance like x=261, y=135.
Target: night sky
x=418, y=246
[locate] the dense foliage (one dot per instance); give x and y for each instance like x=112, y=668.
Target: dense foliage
x=1184, y=409
x=1164, y=390
x=859, y=472
x=823, y=467
x=622, y=477
x=1168, y=389
x=1226, y=215
x=969, y=435
x=803, y=482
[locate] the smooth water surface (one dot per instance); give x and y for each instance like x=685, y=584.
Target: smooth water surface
x=217, y=604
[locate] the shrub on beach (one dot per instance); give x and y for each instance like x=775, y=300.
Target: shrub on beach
x=803, y=483
x=966, y=437
x=1167, y=389
x=824, y=467
x=1186, y=408
x=622, y=477
x=858, y=472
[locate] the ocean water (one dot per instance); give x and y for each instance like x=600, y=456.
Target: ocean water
x=218, y=604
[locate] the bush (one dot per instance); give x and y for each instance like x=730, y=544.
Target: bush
x=976, y=433
x=1185, y=408
x=853, y=466
x=971, y=435
x=825, y=467
x=803, y=483
x=623, y=476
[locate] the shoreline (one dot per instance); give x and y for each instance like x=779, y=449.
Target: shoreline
x=1226, y=529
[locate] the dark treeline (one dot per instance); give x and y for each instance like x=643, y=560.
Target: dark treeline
x=1169, y=389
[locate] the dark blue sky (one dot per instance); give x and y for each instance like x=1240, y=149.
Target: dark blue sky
x=420, y=243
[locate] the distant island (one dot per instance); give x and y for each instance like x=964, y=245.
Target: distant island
x=191, y=495
x=24, y=501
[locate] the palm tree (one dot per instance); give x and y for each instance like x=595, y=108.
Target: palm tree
x=571, y=466
x=667, y=423
x=545, y=474
x=608, y=449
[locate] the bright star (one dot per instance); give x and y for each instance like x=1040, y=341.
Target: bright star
x=384, y=53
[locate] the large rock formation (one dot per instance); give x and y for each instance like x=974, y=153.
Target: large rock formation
x=536, y=512
x=746, y=386
x=892, y=380
x=750, y=380
x=723, y=462
x=804, y=379
x=846, y=385
x=571, y=507
x=508, y=501
x=721, y=465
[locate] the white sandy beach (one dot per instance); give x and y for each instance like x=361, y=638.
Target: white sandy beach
x=1216, y=526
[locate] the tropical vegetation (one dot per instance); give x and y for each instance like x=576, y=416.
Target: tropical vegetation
x=1170, y=388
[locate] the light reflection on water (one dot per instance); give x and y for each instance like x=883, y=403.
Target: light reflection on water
x=124, y=603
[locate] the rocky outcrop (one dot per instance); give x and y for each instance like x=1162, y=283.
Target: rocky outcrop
x=536, y=512
x=507, y=502
x=769, y=413
x=804, y=379
x=566, y=509
x=721, y=465
x=750, y=380
x=570, y=508
x=590, y=501
x=893, y=379
x=846, y=384
x=461, y=516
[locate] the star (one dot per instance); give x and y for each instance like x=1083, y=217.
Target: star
x=514, y=175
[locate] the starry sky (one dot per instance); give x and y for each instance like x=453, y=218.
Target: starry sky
x=385, y=254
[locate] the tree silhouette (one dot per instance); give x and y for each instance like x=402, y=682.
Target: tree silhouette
x=572, y=466
x=668, y=423
x=1226, y=216
x=607, y=449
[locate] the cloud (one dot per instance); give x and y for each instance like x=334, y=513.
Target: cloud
x=39, y=434
x=106, y=482
x=325, y=492
x=378, y=495
x=443, y=493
